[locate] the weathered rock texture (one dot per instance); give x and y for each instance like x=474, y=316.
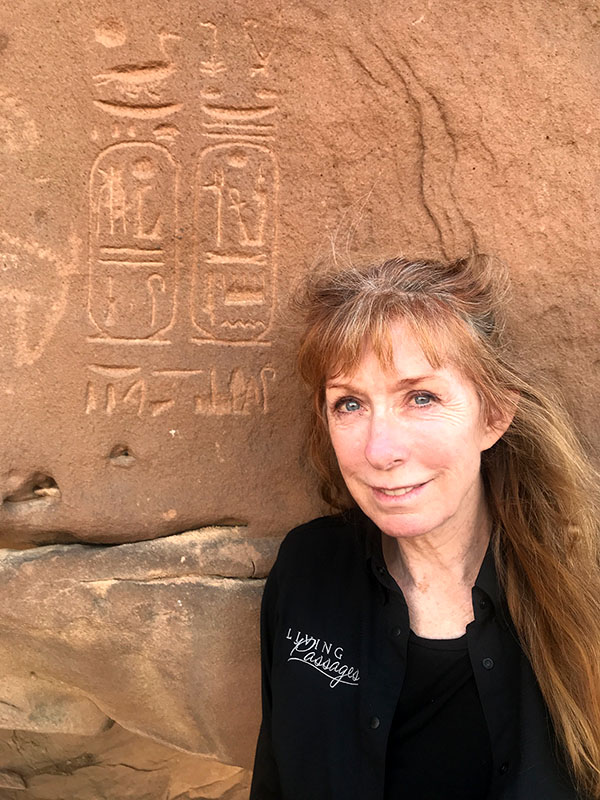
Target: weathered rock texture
x=116, y=765
x=168, y=172
x=159, y=636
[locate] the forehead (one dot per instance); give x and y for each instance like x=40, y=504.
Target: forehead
x=399, y=351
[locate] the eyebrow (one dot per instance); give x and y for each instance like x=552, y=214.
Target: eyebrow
x=401, y=384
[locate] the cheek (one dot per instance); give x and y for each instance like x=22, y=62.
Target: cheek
x=346, y=445
x=448, y=446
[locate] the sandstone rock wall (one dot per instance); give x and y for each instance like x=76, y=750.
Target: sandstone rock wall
x=168, y=172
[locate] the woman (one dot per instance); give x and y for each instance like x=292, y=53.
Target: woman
x=440, y=637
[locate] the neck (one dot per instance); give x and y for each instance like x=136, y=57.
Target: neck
x=451, y=557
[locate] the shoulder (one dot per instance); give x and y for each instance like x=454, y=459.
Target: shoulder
x=324, y=535
x=315, y=564
x=325, y=545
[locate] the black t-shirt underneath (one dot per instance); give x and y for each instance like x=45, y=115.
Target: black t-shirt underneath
x=438, y=747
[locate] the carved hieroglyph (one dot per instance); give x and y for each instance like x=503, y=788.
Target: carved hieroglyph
x=233, y=280
x=168, y=173
x=133, y=229
x=154, y=322
x=30, y=316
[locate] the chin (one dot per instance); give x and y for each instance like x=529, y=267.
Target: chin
x=399, y=527
x=401, y=532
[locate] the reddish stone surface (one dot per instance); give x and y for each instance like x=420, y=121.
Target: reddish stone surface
x=144, y=372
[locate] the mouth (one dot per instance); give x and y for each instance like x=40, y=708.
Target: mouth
x=401, y=491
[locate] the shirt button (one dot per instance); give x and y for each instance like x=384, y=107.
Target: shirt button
x=396, y=631
x=488, y=663
x=503, y=768
x=381, y=570
x=483, y=604
x=374, y=723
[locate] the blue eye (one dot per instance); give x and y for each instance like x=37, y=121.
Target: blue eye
x=423, y=399
x=347, y=405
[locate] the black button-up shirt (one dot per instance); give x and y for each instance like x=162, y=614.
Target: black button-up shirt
x=334, y=628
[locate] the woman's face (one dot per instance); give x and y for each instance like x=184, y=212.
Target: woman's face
x=408, y=441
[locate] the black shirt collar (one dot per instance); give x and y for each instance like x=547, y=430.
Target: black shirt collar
x=487, y=578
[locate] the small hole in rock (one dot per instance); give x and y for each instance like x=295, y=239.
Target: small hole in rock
x=37, y=487
x=121, y=456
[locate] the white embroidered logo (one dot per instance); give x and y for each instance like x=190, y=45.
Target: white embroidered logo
x=323, y=656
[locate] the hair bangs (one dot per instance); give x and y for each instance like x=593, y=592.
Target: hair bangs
x=443, y=337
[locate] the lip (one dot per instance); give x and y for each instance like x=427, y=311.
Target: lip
x=381, y=497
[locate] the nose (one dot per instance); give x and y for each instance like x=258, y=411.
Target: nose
x=387, y=443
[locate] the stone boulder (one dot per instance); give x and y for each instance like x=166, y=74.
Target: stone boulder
x=159, y=636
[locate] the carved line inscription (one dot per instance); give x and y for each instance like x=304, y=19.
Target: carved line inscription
x=213, y=391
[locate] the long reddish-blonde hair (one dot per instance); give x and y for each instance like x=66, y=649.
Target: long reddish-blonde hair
x=541, y=489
